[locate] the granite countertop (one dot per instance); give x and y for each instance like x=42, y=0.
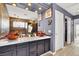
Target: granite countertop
x=5, y=42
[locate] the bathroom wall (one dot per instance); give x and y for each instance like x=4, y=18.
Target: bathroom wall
x=43, y=24
x=56, y=7
x=45, y=27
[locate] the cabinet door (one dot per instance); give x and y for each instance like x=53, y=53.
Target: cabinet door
x=47, y=45
x=22, y=50
x=33, y=48
x=8, y=53
x=13, y=49
x=40, y=47
x=4, y=49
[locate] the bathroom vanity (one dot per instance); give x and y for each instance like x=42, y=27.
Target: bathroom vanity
x=26, y=46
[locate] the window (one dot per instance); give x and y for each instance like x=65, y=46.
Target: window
x=18, y=24
x=26, y=24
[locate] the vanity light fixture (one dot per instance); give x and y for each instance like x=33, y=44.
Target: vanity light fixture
x=40, y=8
x=14, y=4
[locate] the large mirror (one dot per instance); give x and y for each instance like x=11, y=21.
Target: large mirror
x=24, y=26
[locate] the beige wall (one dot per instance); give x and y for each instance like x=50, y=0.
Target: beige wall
x=4, y=21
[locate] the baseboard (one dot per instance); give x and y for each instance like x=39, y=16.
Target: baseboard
x=45, y=54
x=54, y=53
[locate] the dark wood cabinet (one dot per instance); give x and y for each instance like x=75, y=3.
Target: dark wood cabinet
x=33, y=48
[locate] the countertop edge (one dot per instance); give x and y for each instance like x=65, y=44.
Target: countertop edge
x=9, y=42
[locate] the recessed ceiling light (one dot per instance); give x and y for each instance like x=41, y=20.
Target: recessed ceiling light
x=26, y=8
x=78, y=10
x=40, y=8
x=14, y=4
x=36, y=11
x=29, y=4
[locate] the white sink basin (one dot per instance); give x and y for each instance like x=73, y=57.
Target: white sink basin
x=3, y=41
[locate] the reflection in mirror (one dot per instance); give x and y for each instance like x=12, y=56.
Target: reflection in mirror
x=30, y=27
x=18, y=24
x=24, y=26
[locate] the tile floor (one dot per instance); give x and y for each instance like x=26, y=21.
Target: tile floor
x=69, y=50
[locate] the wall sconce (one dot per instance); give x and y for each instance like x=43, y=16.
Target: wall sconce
x=49, y=32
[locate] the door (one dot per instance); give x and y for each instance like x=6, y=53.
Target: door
x=77, y=33
x=59, y=30
x=65, y=41
x=68, y=29
x=65, y=30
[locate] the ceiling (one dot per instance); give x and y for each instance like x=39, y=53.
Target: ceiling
x=34, y=6
x=72, y=8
